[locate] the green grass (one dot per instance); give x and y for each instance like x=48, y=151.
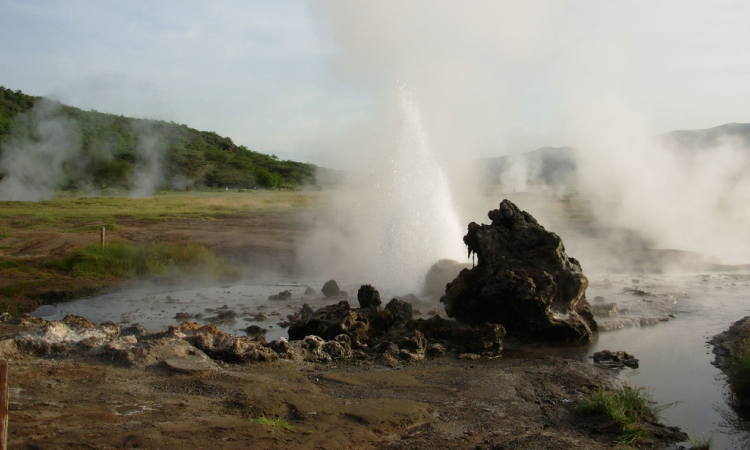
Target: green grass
x=160, y=260
x=90, y=214
x=16, y=289
x=739, y=371
x=9, y=264
x=626, y=408
x=273, y=422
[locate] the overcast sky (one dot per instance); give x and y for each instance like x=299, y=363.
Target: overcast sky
x=302, y=79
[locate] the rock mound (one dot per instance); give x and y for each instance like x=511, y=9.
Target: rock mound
x=331, y=321
x=523, y=280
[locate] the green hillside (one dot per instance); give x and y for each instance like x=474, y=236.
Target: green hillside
x=106, y=150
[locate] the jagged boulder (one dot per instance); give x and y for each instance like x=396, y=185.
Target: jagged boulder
x=523, y=280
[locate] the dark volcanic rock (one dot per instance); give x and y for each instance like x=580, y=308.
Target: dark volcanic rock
x=331, y=289
x=396, y=312
x=523, y=280
x=400, y=310
x=330, y=321
x=615, y=359
x=486, y=339
x=368, y=297
x=255, y=330
x=283, y=295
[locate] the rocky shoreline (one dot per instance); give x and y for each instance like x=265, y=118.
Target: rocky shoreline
x=194, y=386
x=729, y=347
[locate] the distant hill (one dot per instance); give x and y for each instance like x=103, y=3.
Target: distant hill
x=556, y=167
x=711, y=137
x=547, y=166
x=93, y=150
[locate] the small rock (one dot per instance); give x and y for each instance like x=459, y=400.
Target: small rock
x=436, y=350
x=331, y=289
x=615, y=359
x=405, y=355
x=368, y=297
x=255, y=330
x=283, y=295
x=335, y=350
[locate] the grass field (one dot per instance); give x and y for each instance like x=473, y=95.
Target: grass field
x=88, y=214
x=47, y=249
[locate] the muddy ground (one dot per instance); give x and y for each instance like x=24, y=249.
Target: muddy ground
x=508, y=403
x=524, y=401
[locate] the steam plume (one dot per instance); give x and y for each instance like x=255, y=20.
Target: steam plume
x=33, y=158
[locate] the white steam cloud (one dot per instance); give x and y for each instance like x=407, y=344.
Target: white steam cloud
x=389, y=226
x=493, y=77
x=147, y=173
x=44, y=152
x=32, y=159
x=685, y=199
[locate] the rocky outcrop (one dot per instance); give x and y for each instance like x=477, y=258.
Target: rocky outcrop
x=485, y=339
x=616, y=359
x=523, y=280
x=219, y=345
x=331, y=321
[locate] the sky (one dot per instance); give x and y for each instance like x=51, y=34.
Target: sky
x=313, y=80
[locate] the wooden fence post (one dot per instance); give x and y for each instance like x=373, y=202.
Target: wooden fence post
x=102, y=237
x=3, y=404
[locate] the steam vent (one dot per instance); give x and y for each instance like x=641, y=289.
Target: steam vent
x=523, y=280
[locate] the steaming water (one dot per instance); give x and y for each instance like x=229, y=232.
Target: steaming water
x=675, y=360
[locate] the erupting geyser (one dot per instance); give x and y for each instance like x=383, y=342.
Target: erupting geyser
x=418, y=222
x=387, y=228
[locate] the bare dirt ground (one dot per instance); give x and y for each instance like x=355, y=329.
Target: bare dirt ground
x=508, y=403
x=519, y=402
